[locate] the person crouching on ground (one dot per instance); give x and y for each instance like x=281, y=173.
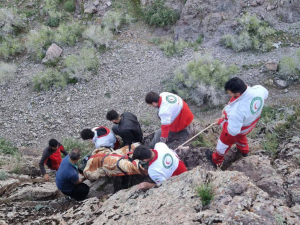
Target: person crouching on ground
x=100, y=136
x=67, y=178
x=163, y=163
x=175, y=115
x=51, y=157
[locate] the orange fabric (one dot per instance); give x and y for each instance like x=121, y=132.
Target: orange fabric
x=184, y=119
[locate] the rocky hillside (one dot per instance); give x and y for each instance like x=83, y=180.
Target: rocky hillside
x=64, y=64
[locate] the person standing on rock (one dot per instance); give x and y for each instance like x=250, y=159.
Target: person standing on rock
x=51, y=157
x=67, y=177
x=239, y=117
x=127, y=127
x=175, y=115
x=163, y=163
x=101, y=137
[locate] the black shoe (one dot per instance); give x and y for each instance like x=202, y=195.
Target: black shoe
x=245, y=155
x=208, y=154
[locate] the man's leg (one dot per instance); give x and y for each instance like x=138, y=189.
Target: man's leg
x=80, y=192
x=242, y=145
x=156, y=139
x=115, y=129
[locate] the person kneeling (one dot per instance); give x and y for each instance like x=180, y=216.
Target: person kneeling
x=163, y=163
x=67, y=178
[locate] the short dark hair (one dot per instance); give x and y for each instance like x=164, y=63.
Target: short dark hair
x=75, y=153
x=112, y=115
x=235, y=85
x=142, y=152
x=53, y=143
x=152, y=97
x=87, y=134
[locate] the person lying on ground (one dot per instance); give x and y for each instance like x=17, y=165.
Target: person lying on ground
x=51, y=157
x=108, y=162
x=67, y=177
x=101, y=137
x=126, y=126
x=174, y=113
x=163, y=163
x=239, y=118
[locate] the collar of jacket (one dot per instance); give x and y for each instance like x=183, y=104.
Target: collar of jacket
x=240, y=97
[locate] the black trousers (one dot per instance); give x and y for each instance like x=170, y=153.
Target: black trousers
x=79, y=192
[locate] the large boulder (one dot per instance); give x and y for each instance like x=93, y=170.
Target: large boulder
x=258, y=168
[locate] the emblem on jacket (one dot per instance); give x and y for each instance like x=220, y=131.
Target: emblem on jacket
x=167, y=160
x=256, y=105
x=171, y=99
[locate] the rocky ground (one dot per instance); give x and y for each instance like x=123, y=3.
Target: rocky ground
x=253, y=190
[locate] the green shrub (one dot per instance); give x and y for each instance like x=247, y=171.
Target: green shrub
x=171, y=48
x=206, y=193
x=49, y=78
x=202, y=141
x=270, y=143
x=6, y=147
x=68, y=34
x=3, y=175
x=114, y=20
x=98, y=35
x=289, y=67
x=12, y=22
x=134, y=8
x=10, y=46
x=70, y=143
x=159, y=15
x=69, y=6
x=83, y=65
x=51, y=10
x=38, y=41
x=201, y=80
x=251, y=34
x=7, y=72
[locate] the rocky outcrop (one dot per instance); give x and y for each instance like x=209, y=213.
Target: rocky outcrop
x=202, y=18
x=258, y=169
x=33, y=191
x=288, y=10
x=7, y=185
x=53, y=52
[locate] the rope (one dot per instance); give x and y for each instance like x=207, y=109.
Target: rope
x=194, y=136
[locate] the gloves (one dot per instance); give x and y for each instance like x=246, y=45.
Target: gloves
x=163, y=139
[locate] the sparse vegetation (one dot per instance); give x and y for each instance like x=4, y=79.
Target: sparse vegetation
x=13, y=22
x=98, y=35
x=10, y=46
x=6, y=147
x=171, y=48
x=53, y=14
x=7, y=72
x=251, y=34
x=70, y=143
x=158, y=15
x=114, y=20
x=83, y=65
x=3, y=175
x=69, y=6
x=200, y=79
x=50, y=78
x=68, y=34
x=38, y=41
x=202, y=141
x=206, y=193
x=270, y=143
x=289, y=67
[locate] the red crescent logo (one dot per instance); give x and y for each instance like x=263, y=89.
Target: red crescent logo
x=168, y=162
x=255, y=106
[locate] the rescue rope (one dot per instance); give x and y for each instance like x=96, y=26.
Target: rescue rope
x=180, y=146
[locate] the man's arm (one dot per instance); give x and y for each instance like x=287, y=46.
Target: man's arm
x=146, y=185
x=45, y=156
x=76, y=180
x=64, y=151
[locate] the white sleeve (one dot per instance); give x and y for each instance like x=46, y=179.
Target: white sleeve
x=156, y=176
x=165, y=117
